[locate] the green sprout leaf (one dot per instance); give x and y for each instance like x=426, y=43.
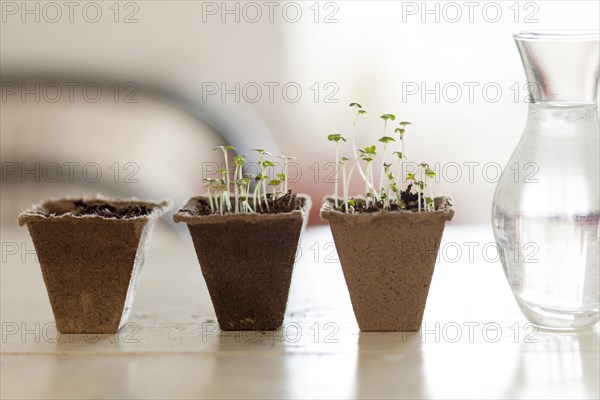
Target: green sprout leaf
x=404, y=123
x=239, y=160
x=355, y=105
x=371, y=150
x=274, y=182
x=399, y=155
x=336, y=137
x=387, y=139
x=386, y=117
x=262, y=152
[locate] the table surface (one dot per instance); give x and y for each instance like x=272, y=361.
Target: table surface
x=475, y=343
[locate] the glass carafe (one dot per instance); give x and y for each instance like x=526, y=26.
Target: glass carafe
x=547, y=203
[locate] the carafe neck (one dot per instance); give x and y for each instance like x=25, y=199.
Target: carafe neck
x=561, y=66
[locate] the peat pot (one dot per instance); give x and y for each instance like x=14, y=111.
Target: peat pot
x=247, y=262
x=91, y=252
x=388, y=259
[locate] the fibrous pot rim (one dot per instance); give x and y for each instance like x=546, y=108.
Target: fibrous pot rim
x=444, y=212
x=182, y=216
x=38, y=212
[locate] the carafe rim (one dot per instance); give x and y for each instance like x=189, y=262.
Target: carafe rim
x=557, y=34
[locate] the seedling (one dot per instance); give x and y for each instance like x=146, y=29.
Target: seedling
x=284, y=176
x=218, y=191
x=358, y=111
x=385, y=140
x=368, y=155
x=429, y=174
x=346, y=183
x=401, y=131
x=336, y=137
x=238, y=186
x=386, y=118
x=209, y=186
x=274, y=183
x=225, y=174
x=388, y=193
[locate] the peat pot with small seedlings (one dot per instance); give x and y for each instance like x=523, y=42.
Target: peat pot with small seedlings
x=245, y=232
x=387, y=239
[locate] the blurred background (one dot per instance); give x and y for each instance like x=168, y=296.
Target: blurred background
x=129, y=98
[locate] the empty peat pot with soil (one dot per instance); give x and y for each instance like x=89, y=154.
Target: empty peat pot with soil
x=91, y=252
x=246, y=241
x=388, y=239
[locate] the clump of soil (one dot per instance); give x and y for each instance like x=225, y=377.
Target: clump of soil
x=283, y=204
x=108, y=210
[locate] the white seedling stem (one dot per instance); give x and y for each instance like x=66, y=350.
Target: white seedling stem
x=337, y=172
x=256, y=196
x=263, y=181
x=210, y=200
x=221, y=202
x=344, y=189
x=347, y=184
x=227, y=199
x=367, y=186
x=235, y=188
x=360, y=170
x=401, y=166
x=264, y=192
x=432, y=199
x=382, y=177
x=369, y=182
x=286, y=165
x=246, y=204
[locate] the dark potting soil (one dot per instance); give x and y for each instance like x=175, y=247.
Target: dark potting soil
x=108, y=210
x=408, y=198
x=284, y=204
